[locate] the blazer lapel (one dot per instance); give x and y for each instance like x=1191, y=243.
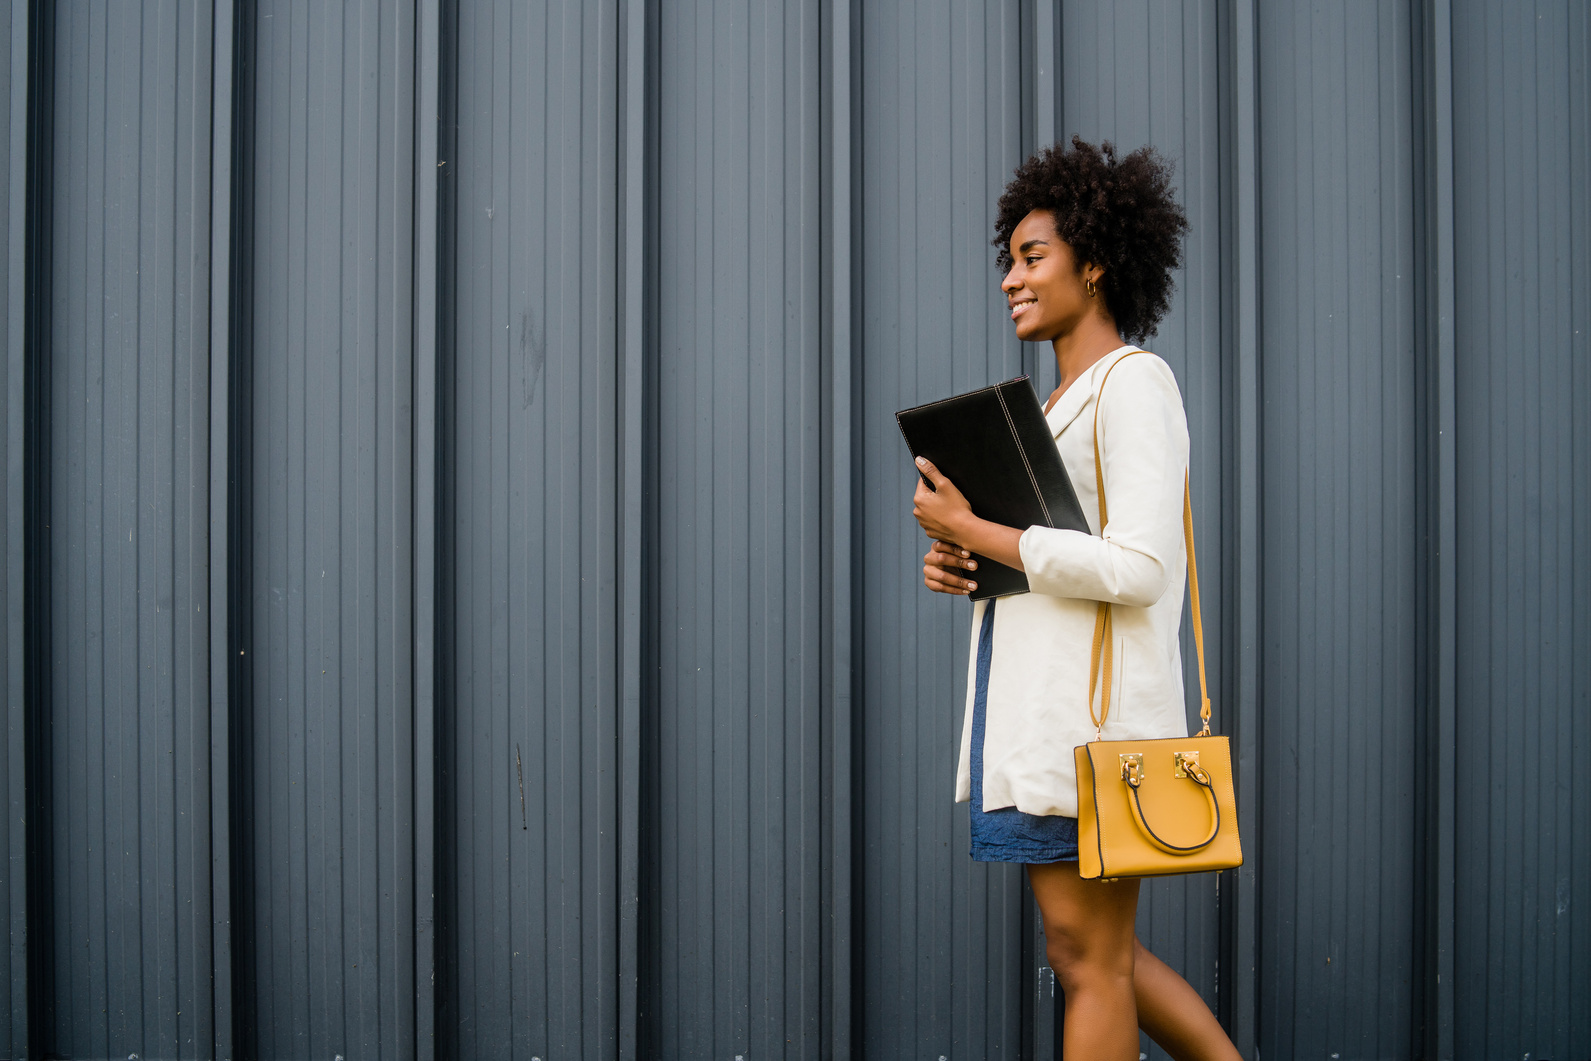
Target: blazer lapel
x=1078, y=395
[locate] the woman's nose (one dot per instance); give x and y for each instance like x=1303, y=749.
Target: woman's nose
x=1010, y=283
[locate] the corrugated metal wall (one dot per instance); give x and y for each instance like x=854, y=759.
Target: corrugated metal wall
x=732, y=846
x=1523, y=391
x=460, y=592
x=123, y=918
x=940, y=939
x=325, y=786
x=529, y=863
x=1339, y=515
x=14, y=53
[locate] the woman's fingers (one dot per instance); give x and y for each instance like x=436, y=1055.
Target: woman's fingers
x=936, y=503
x=949, y=554
x=940, y=569
x=926, y=466
x=941, y=581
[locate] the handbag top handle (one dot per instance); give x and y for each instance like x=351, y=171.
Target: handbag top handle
x=1102, y=623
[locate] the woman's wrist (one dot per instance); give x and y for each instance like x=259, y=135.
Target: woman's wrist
x=997, y=542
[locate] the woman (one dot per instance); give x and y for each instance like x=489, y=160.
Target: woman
x=1088, y=242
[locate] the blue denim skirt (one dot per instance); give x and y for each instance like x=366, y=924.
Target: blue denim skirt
x=1007, y=834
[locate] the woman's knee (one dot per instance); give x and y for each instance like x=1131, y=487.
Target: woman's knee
x=1084, y=955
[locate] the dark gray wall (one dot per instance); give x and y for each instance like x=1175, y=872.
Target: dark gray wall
x=13, y=876
x=732, y=846
x=1523, y=388
x=460, y=588
x=1338, y=445
x=326, y=777
x=125, y=921
x=532, y=516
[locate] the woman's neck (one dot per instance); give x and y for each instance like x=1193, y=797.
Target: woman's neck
x=1079, y=349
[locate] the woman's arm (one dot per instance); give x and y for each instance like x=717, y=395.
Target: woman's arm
x=1143, y=439
x=1143, y=445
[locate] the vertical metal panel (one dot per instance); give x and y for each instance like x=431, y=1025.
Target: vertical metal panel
x=1437, y=583
x=1045, y=63
x=129, y=790
x=535, y=462
x=1339, y=521
x=13, y=420
x=736, y=860
x=1042, y=63
x=327, y=948
x=839, y=118
x=431, y=71
x=637, y=215
x=223, y=525
x=1522, y=247
x=940, y=133
x=1241, y=540
x=1141, y=73
x=35, y=449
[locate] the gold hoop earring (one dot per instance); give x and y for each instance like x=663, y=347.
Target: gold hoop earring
x=1088, y=282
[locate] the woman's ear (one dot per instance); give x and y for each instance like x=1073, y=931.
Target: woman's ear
x=1091, y=278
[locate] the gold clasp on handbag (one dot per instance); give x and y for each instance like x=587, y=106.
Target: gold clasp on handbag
x=1188, y=763
x=1132, y=768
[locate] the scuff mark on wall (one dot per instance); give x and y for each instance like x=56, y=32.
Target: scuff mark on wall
x=532, y=355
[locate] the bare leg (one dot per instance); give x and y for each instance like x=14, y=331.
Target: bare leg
x=1088, y=936
x=1113, y=984
x=1174, y=1015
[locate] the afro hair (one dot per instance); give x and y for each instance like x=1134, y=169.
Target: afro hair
x=1118, y=214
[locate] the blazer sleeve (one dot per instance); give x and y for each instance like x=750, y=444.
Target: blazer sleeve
x=1143, y=446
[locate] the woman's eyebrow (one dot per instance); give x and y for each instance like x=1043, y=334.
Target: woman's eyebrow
x=1032, y=243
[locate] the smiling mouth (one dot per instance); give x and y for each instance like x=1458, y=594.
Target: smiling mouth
x=1017, y=308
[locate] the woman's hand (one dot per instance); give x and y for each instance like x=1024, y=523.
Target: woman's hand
x=942, y=512
x=942, y=566
x=945, y=516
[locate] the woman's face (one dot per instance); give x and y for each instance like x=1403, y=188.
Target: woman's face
x=1045, y=286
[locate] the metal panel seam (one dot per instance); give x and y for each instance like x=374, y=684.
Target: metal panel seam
x=633, y=219
x=842, y=532
x=223, y=105
x=1240, y=1002
x=17, y=496
x=1440, y=1038
x=1047, y=59
x=36, y=504
x=427, y=117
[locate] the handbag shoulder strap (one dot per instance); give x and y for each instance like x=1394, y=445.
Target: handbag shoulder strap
x=1102, y=648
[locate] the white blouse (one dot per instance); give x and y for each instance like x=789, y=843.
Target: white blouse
x=1036, y=711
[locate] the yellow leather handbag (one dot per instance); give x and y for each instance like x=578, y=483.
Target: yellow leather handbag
x=1150, y=808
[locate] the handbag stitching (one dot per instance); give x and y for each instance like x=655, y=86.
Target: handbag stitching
x=1099, y=834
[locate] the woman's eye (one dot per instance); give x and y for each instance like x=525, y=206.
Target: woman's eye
x=1030, y=260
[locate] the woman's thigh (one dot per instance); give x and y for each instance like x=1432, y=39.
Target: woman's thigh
x=1086, y=922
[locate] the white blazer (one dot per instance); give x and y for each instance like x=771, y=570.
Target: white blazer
x=1037, y=707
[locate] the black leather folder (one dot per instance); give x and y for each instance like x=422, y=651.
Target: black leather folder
x=995, y=445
